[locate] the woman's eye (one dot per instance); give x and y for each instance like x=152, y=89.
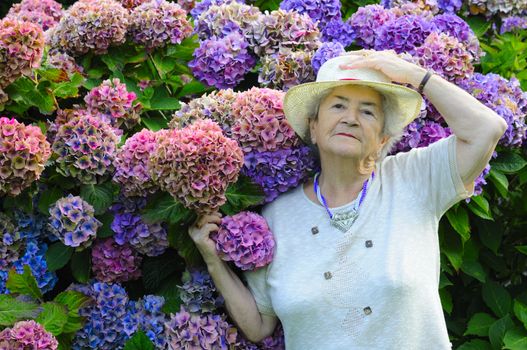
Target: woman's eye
x=338, y=105
x=368, y=113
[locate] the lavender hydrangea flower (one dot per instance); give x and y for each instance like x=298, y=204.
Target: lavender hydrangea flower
x=198, y=292
x=146, y=315
x=403, y=34
x=45, y=13
x=207, y=331
x=278, y=171
x=90, y=25
x=112, y=262
x=366, y=23
x=11, y=244
x=104, y=326
x=455, y=26
x=286, y=69
x=506, y=98
x=513, y=23
x=325, y=52
x=338, y=31
x=27, y=335
x=321, y=11
x=449, y=6
x=157, y=23
x=204, y=5
x=222, y=62
x=245, y=239
x=421, y=133
x=72, y=221
x=276, y=341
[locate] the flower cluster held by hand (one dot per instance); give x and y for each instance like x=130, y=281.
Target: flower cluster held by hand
x=45, y=13
x=24, y=151
x=11, y=244
x=72, y=221
x=157, y=23
x=132, y=168
x=198, y=292
x=259, y=121
x=90, y=25
x=146, y=315
x=113, y=103
x=245, y=239
x=112, y=262
x=196, y=164
x=222, y=62
x=27, y=335
x=85, y=146
x=195, y=331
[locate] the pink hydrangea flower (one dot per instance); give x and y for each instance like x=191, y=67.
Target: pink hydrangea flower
x=246, y=240
x=286, y=69
x=45, y=13
x=27, y=335
x=24, y=152
x=259, y=121
x=196, y=164
x=112, y=262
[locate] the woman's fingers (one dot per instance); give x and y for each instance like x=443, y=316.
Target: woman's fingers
x=209, y=218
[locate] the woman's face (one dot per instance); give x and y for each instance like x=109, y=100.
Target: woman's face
x=350, y=123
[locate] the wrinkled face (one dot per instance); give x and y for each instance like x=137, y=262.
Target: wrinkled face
x=350, y=123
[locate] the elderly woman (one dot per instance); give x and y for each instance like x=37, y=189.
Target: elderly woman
x=356, y=264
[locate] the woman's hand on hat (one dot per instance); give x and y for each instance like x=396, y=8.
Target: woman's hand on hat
x=389, y=63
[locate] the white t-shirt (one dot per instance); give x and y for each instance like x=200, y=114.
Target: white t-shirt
x=381, y=291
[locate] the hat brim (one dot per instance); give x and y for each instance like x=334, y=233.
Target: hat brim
x=404, y=108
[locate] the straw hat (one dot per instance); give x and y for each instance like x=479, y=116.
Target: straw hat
x=402, y=104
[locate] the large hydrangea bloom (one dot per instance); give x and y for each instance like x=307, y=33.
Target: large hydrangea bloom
x=259, y=121
x=104, y=327
x=325, y=52
x=129, y=227
x=196, y=164
x=85, y=146
x=455, y=26
x=90, y=25
x=113, y=103
x=403, y=34
x=112, y=262
x=338, y=31
x=245, y=239
x=21, y=49
x=132, y=168
x=156, y=23
x=278, y=171
x=146, y=315
x=321, y=11
x=11, y=243
x=45, y=13
x=506, y=98
x=195, y=331
x=366, y=22
x=72, y=221
x=421, y=133
x=446, y=56
x=24, y=152
x=282, y=29
x=286, y=69
x=198, y=292
x=27, y=335
x=222, y=62
x=215, y=106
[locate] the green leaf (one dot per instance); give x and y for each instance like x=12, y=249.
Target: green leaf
x=452, y=247
x=53, y=317
x=446, y=300
x=156, y=269
x=515, y=339
x=51, y=74
x=100, y=196
x=154, y=123
x=23, y=283
x=521, y=248
x=164, y=208
x=13, y=310
x=193, y=88
x=105, y=230
x=187, y=249
x=48, y=198
x=80, y=266
x=458, y=218
x=73, y=301
x=479, y=324
x=520, y=310
x=474, y=269
x=508, y=163
x=161, y=100
x=498, y=329
x=490, y=234
x=475, y=344
x=500, y=181
x=497, y=298
x=139, y=342
x=480, y=206
x=58, y=255
x=479, y=24
x=241, y=195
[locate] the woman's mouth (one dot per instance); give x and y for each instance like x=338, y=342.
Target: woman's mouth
x=347, y=135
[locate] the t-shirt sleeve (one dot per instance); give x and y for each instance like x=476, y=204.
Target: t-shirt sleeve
x=431, y=173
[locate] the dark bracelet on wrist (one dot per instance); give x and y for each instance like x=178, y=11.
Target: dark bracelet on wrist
x=424, y=81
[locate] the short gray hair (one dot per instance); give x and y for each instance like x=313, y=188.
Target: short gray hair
x=394, y=135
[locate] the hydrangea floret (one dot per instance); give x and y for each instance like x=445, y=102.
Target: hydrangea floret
x=24, y=152
x=196, y=164
x=45, y=13
x=112, y=262
x=259, y=121
x=27, y=335
x=90, y=25
x=85, y=147
x=286, y=69
x=157, y=23
x=198, y=292
x=245, y=239
x=72, y=221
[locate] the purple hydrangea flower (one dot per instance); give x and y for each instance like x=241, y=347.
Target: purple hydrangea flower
x=198, y=292
x=72, y=221
x=337, y=31
x=513, y=23
x=146, y=315
x=286, y=69
x=276, y=341
x=245, y=239
x=455, y=26
x=278, y=171
x=366, y=23
x=156, y=23
x=112, y=262
x=45, y=13
x=222, y=62
x=27, y=335
x=325, y=52
x=403, y=34
x=320, y=11
x=421, y=133
x=449, y=6
x=204, y=5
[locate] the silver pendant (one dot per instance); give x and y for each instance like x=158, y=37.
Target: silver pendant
x=343, y=221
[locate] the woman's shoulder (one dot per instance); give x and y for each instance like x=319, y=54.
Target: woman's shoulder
x=284, y=202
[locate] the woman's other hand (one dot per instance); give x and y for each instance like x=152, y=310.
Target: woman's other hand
x=200, y=232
